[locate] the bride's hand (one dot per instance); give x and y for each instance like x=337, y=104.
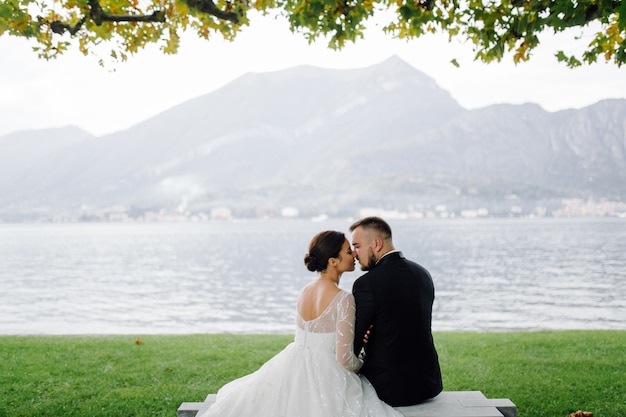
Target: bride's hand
x=366, y=336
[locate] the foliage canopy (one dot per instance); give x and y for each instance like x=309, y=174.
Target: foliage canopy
x=494, y=28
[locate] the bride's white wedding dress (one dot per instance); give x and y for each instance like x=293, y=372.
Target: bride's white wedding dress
x=312, y=377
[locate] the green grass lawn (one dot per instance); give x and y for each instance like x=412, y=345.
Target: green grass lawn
x=547, y=374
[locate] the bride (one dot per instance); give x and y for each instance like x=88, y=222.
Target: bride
x=315, y=375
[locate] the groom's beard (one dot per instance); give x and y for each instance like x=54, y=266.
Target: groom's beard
x=371, y=261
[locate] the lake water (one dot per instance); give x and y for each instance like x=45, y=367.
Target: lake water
x=244, y=277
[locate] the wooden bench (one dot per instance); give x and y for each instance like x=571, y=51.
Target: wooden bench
x=446, y=404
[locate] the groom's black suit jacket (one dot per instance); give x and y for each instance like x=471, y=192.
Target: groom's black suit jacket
x=396, y=297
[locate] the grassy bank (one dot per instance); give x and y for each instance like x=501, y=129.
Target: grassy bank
x=543, y=373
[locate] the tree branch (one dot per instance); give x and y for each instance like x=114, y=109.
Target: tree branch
x=60, y=27
x=207, y=6
x=98, y=15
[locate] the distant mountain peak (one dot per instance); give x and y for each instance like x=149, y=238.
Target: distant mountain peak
x=394, y=61
x=395, y=71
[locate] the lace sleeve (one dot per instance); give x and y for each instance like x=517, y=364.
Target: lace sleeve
x=345, y=334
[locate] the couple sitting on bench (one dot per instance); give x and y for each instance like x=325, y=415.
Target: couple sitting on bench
x=327, y=371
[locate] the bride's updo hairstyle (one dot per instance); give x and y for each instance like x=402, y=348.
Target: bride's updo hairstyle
x=323, y=246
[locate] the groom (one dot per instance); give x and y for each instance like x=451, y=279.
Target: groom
x=394, y=298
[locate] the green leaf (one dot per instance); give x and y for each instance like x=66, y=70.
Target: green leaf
x=621, y=16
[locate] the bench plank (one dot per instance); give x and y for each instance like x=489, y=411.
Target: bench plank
x=446, y=404
x=452, y=404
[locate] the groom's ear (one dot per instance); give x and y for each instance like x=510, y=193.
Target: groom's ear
x=378, y=244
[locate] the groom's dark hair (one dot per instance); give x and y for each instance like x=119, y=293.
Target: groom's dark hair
x=375, y=223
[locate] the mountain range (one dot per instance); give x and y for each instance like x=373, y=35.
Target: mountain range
x=321, y=141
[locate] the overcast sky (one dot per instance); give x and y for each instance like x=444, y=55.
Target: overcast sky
x=75, y=90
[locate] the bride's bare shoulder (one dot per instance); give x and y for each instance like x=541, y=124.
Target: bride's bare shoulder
x=315, y=298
